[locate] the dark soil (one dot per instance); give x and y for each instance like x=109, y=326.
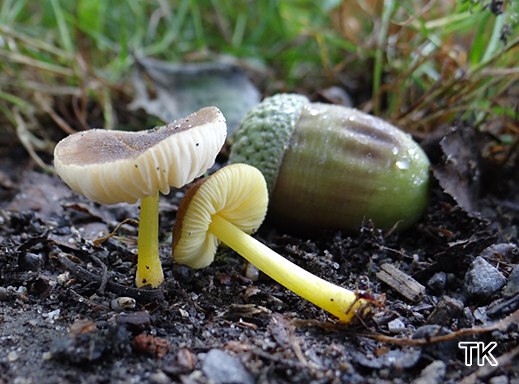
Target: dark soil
x=64, y=317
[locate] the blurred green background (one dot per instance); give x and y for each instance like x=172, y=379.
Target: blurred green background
x=419, y=64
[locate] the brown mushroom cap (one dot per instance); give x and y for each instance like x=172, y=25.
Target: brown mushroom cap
x=115, y=166
x=237, y=193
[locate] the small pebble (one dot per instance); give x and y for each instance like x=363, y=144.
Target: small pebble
x=499, y=380
x=63, y=278
x=434, y=373
x=22, y=290
x=220, y=367
x=53, y=315
x=183, y=312
x=396, y=326
x=437, y=282
x=160, y=378
x=395, y=359
x=512, y=287
x=480, y=314
x=12, y=356
x=251, y=272
x=23, y=380
x=447, y=310
x=123, y=303
x=483, y=280
x=467, y=318
x=504, y=251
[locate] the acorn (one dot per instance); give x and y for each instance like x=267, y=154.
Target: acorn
x=332, y=167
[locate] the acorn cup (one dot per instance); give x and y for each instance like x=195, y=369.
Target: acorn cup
x=332, y=167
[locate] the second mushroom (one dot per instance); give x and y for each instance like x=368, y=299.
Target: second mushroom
x=114, y=166
x=229, y=205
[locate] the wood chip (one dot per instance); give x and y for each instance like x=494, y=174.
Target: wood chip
x=404, y=284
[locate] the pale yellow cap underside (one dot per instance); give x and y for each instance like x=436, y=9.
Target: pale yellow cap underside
x=237, y=193
x=141, y=165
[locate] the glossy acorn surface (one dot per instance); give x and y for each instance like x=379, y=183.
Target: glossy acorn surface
x=331, y=167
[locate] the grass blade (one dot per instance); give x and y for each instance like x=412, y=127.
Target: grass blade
x=389, y=8
x=64, y=32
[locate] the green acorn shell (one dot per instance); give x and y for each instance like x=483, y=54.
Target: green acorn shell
x=332, y=167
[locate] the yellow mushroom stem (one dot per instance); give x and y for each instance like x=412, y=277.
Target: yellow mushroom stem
x=149, y=268
x=338, y=301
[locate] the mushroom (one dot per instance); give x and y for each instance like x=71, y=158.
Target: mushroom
x=229, y=205
x=113, y=166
